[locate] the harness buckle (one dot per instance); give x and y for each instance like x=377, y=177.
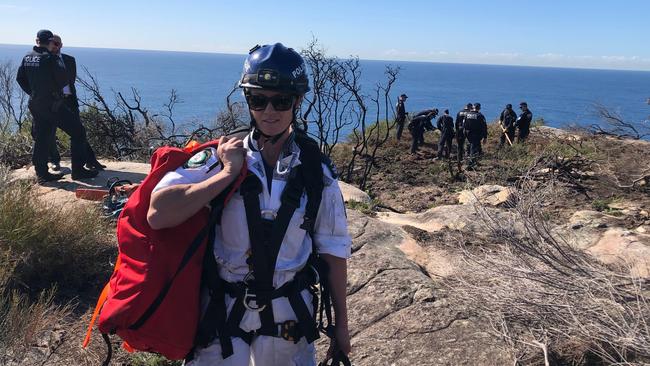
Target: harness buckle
x=288, y=331
x=269, y=214
x=252, y=297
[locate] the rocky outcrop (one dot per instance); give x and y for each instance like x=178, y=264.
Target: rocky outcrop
x=398, y=309
x=62, y=192
x=352, y=193
x=606, y=238
x=492, y=195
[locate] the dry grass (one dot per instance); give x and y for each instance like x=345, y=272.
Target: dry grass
x=50, y=259
x=50, y=245
x=552, y=303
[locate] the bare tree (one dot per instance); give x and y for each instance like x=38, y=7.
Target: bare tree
x=13, y=102
x=330, y=105
x=616, y=126
x=379, y=132
x=125, y=128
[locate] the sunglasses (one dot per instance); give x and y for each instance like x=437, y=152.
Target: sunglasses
x=280, y=102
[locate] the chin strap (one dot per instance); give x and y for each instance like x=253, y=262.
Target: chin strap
x=257, y=133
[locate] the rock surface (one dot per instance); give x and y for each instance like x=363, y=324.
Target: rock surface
x=605, y=237
x=398, y=310
x=59, y=192
x=493, y=195
x=352, y=193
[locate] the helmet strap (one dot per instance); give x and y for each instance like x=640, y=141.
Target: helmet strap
x=273, y=139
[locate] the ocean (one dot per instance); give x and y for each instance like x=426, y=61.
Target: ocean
x=562, y=97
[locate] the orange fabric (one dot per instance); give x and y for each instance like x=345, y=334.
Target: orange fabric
x=100, y=303
x=128, y=348
x=191, y=146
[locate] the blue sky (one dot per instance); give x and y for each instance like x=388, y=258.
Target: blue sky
x=570, y=33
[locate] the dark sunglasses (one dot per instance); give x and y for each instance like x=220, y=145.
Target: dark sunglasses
x=280, y=102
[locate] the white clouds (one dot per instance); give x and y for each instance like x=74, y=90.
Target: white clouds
x=14, y=8
x=517, y=58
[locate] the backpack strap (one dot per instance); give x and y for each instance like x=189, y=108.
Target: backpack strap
x=310, y=158
x=266, y=237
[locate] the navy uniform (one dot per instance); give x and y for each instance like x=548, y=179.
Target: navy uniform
x=420, y=123
x=460, y=130
x=475, y=130
x=523, y=122
x=446, y=126
x=42, y=76
x=400, y=117
x=70, y=122
x=508, y=118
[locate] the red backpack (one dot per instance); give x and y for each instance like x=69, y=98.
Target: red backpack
x=152, y=300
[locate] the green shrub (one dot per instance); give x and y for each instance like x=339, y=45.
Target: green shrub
x=366, y=208
x=149, y=359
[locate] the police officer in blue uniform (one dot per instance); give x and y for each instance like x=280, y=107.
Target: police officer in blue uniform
x=507, y=120
x=400, y=117
x=523, y=122
x=475, y=130
x=445, y=124
x=420, y=123
x=42, y=76
x=460, y=130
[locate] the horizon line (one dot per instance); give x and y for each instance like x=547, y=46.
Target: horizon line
x=364, y=59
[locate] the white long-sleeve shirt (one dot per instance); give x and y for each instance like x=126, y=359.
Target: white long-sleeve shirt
x=232, y=242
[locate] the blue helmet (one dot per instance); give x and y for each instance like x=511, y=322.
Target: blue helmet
x=275, y=67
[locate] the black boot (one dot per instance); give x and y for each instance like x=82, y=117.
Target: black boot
x=48, y=177
x=96, y=165
x=82, y=173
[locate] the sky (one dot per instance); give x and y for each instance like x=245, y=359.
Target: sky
x=569, y=33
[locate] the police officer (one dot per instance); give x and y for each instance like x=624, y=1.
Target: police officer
x=460, y=131
x=400, y=117
x=69, y=119
x=42, y=76
x=523, y=122
x=507, y=121
x=475, y=131
x=445, y=124
x=420, y=123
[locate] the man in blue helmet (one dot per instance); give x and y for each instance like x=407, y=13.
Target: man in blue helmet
x=279, y=237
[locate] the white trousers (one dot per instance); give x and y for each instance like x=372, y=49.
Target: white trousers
x=264, y=350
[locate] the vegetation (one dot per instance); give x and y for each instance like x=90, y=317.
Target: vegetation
x=545, y=299
x=549, y=301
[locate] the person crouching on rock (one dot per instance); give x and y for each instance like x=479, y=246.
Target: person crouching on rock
x=288, y=211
